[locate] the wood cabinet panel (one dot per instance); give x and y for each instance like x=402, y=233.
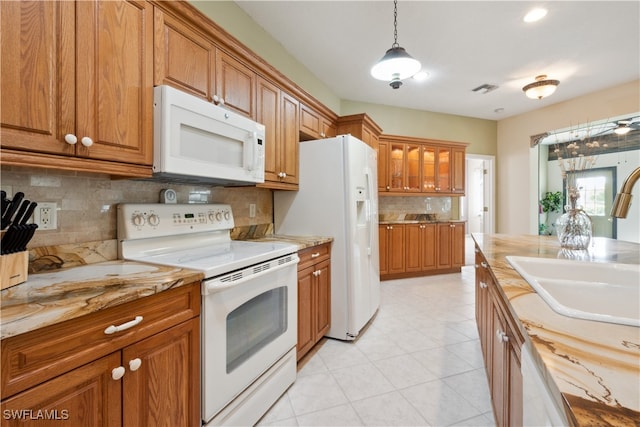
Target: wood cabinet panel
x=236, y=84
x=114, y=82
x=396, y=248
x=183, y=58
x=36, y=356
x=38, y=75
x=289, y=139
x=268, y=113
x=501, y=343
x=361, y=126
x=305, y=312
x=420, y=249
x=383, y=167
x=86, y=396
x=314, y=297
x=85, y=70
x=147, y=374
x=160, y=391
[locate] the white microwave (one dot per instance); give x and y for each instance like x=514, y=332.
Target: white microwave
x=195, y=141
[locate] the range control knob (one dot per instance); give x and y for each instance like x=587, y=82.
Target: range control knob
x=218, y=216
x=227, y=215
x=153, y=219
x=137, y=219
x=212, y=217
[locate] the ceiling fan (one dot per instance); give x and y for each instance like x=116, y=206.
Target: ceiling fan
x=625, y=126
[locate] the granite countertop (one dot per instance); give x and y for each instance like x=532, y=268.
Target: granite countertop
x=54, y=296
x=593, y=366
x=303, y=242
x=70, y=281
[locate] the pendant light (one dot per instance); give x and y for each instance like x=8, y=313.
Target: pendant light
x=541, y=88
x=396, y=64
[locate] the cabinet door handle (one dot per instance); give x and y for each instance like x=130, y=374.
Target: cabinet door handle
x=135, y=364
x=502, y=336
x=315, y=255
x=86, y=141
x=117, y=373
x=113, y=329
x=70, y=139
x=484, y=264
x=317, y=273
x=483, y=285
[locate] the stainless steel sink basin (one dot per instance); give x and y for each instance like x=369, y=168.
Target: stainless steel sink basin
x=585, y=290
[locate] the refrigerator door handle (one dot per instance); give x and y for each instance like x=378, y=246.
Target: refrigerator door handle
x=368, y=207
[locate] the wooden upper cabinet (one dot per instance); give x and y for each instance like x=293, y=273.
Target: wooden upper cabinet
x=417, y=165
x=289, y=111
x=383, y=167
x=278, y=112
x=268, y=111
x=236, y=84
x=78, y=72
x=114, y=80
x=183, y=58
x=38, y=75
x=458, y=168
x=361, y=126
x=314, y=125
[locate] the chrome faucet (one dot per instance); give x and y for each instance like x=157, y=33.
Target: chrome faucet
x=623, y=198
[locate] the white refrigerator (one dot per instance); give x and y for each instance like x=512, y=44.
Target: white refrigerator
x=338, y=197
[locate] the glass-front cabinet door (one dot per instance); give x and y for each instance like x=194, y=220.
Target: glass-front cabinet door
x=428, y=169
x=412, y=167
x=397, y=167
x=443, y=182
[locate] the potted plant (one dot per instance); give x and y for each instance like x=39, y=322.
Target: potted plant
x=551, y=202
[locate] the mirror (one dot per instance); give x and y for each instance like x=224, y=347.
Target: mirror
x=598, y=156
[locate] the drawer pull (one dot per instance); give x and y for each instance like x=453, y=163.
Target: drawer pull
x=113, y=329
x=117, y=373
x=484, y=264
x=315, y=255
x=135, y=364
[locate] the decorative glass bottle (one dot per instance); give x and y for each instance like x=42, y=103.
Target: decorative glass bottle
x=574, y=226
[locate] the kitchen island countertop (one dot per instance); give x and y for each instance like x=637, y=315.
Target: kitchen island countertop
x=595, y=366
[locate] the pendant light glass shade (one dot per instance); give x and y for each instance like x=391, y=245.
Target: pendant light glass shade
x=541, y=88
x=396, y=63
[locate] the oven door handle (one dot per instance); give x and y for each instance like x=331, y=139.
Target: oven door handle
x=230, y=280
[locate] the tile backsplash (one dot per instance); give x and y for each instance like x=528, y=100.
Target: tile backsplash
x=444, y=208
x=87, y=202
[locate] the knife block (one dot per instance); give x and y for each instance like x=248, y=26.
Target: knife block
x=13, y=269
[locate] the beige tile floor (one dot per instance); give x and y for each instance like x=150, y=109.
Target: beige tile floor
x=418, y=363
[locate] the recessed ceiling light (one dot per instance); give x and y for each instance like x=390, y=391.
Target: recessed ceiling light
x=421, y=76
x=535, y=15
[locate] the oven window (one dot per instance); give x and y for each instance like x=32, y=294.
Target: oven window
x=254, y=325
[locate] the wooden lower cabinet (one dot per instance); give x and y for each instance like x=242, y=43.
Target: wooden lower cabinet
x=501, y=344
x=314, y=296
x=415, y=249
x=147, y=375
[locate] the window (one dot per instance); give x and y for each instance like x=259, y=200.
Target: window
x=592, y=194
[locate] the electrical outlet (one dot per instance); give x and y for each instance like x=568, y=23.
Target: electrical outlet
x=252, y=210
x=46, y=215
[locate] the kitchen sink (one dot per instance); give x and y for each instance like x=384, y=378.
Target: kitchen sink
x=585, y=290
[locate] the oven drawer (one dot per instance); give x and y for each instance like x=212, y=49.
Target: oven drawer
x=313, y=255
x=40, y=355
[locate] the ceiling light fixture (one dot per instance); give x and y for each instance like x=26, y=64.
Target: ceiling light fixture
x=622, y=129
x=396, y=64
x=535, y=15
x=541, y=88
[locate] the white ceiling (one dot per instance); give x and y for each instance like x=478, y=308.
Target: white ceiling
x=587, y=45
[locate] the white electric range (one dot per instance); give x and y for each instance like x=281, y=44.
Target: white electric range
x=249, y=302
